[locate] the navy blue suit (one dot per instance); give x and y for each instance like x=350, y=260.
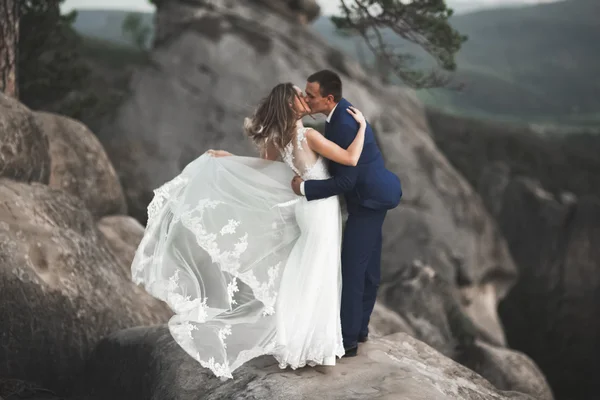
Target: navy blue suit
x=370, y=190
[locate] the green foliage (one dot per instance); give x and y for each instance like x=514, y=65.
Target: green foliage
x=420, y=22
x=524, y=64
x=134, y=28
x=50, y=67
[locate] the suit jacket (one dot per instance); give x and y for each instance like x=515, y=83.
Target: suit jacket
x=369, y=184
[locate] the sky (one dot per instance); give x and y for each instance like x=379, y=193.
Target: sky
x=327, y=6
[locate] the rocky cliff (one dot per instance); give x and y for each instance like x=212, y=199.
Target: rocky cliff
x=543, y=191
x=214, y=60
x=66, y=281
x=65, y=248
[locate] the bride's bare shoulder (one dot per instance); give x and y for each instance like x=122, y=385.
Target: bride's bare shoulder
x=313, y=134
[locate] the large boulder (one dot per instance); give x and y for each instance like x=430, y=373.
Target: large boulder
x=61, y=287
x=506, y=369
x=14, y=389
x=544, y=192
x=211, y=64
x=24, y=154
x=552, y=312
x=385, y=322
x=145, y=363
x=302, y=10
x=80, y=166
x=123, y=234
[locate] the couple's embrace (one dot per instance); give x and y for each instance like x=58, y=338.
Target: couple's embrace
x=250, y=267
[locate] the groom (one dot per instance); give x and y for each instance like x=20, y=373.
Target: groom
x=370, y=190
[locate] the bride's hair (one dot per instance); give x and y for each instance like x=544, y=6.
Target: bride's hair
x=274, y=120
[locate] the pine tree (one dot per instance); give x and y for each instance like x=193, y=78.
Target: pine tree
x=49, y=63
x=422, y=22
x=9, y=50
x=137, y=31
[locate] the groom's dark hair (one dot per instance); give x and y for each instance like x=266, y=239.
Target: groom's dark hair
x=330, y=83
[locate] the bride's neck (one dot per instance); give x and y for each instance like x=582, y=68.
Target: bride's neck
x=299, y=123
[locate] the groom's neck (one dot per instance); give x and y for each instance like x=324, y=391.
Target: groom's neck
x=328, y=111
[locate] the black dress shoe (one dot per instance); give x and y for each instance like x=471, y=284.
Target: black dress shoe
x=363, y=339
x=351, y=352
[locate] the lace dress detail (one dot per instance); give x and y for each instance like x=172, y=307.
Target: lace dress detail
x=228, y=242
x=302, y=160
x=307, y=332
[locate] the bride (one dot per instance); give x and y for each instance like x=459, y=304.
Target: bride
x=248, y=267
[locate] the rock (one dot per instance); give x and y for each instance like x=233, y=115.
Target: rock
x=211, y=64
x=478, y=303
x=492, y=183
x=61, y=288
x=80, y=166
x=507, y=369
x=552, y=313
x=441, y=314
x=385, y=322
x=145, y=363
x=445, y=265
x=549, y=219
x=543, y=191
x=14, y=389
x=124, y=234
x=568, y=198
x=304, y=11
x=24, y=154
x=561, y=162
x=451, y=319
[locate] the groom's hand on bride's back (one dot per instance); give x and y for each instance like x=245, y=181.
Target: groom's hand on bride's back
x=296, y=182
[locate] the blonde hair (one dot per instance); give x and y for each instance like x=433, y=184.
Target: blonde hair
x=274, y=120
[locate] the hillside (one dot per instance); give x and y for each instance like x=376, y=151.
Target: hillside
x=535, y=63
x=527, y=63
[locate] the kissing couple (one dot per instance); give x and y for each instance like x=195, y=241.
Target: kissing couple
x=251, y=267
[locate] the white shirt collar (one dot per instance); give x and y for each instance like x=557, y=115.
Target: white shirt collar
x=331, y=114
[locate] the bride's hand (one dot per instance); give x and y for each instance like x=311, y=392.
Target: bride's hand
x=357, y=115
x=218, y=153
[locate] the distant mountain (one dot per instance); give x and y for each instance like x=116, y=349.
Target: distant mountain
x=535, y=62
x=107, y=24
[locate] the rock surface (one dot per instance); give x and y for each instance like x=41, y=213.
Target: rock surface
x=124, y=234
x=303, y=11
x=24, y=154
x=80, y=166
x=145, y=363
x=14, y=389
x=544, y=192
x=210, y=66
x=61, y=287
x=385, y=322
x=562, y=160
x=64, y=276
x=64, y=285
x=552, y=312
x=506, y=369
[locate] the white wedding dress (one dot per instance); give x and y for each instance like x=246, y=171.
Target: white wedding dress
x=248, y=267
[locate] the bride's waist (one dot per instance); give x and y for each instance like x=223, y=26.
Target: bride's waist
x=315, y=177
